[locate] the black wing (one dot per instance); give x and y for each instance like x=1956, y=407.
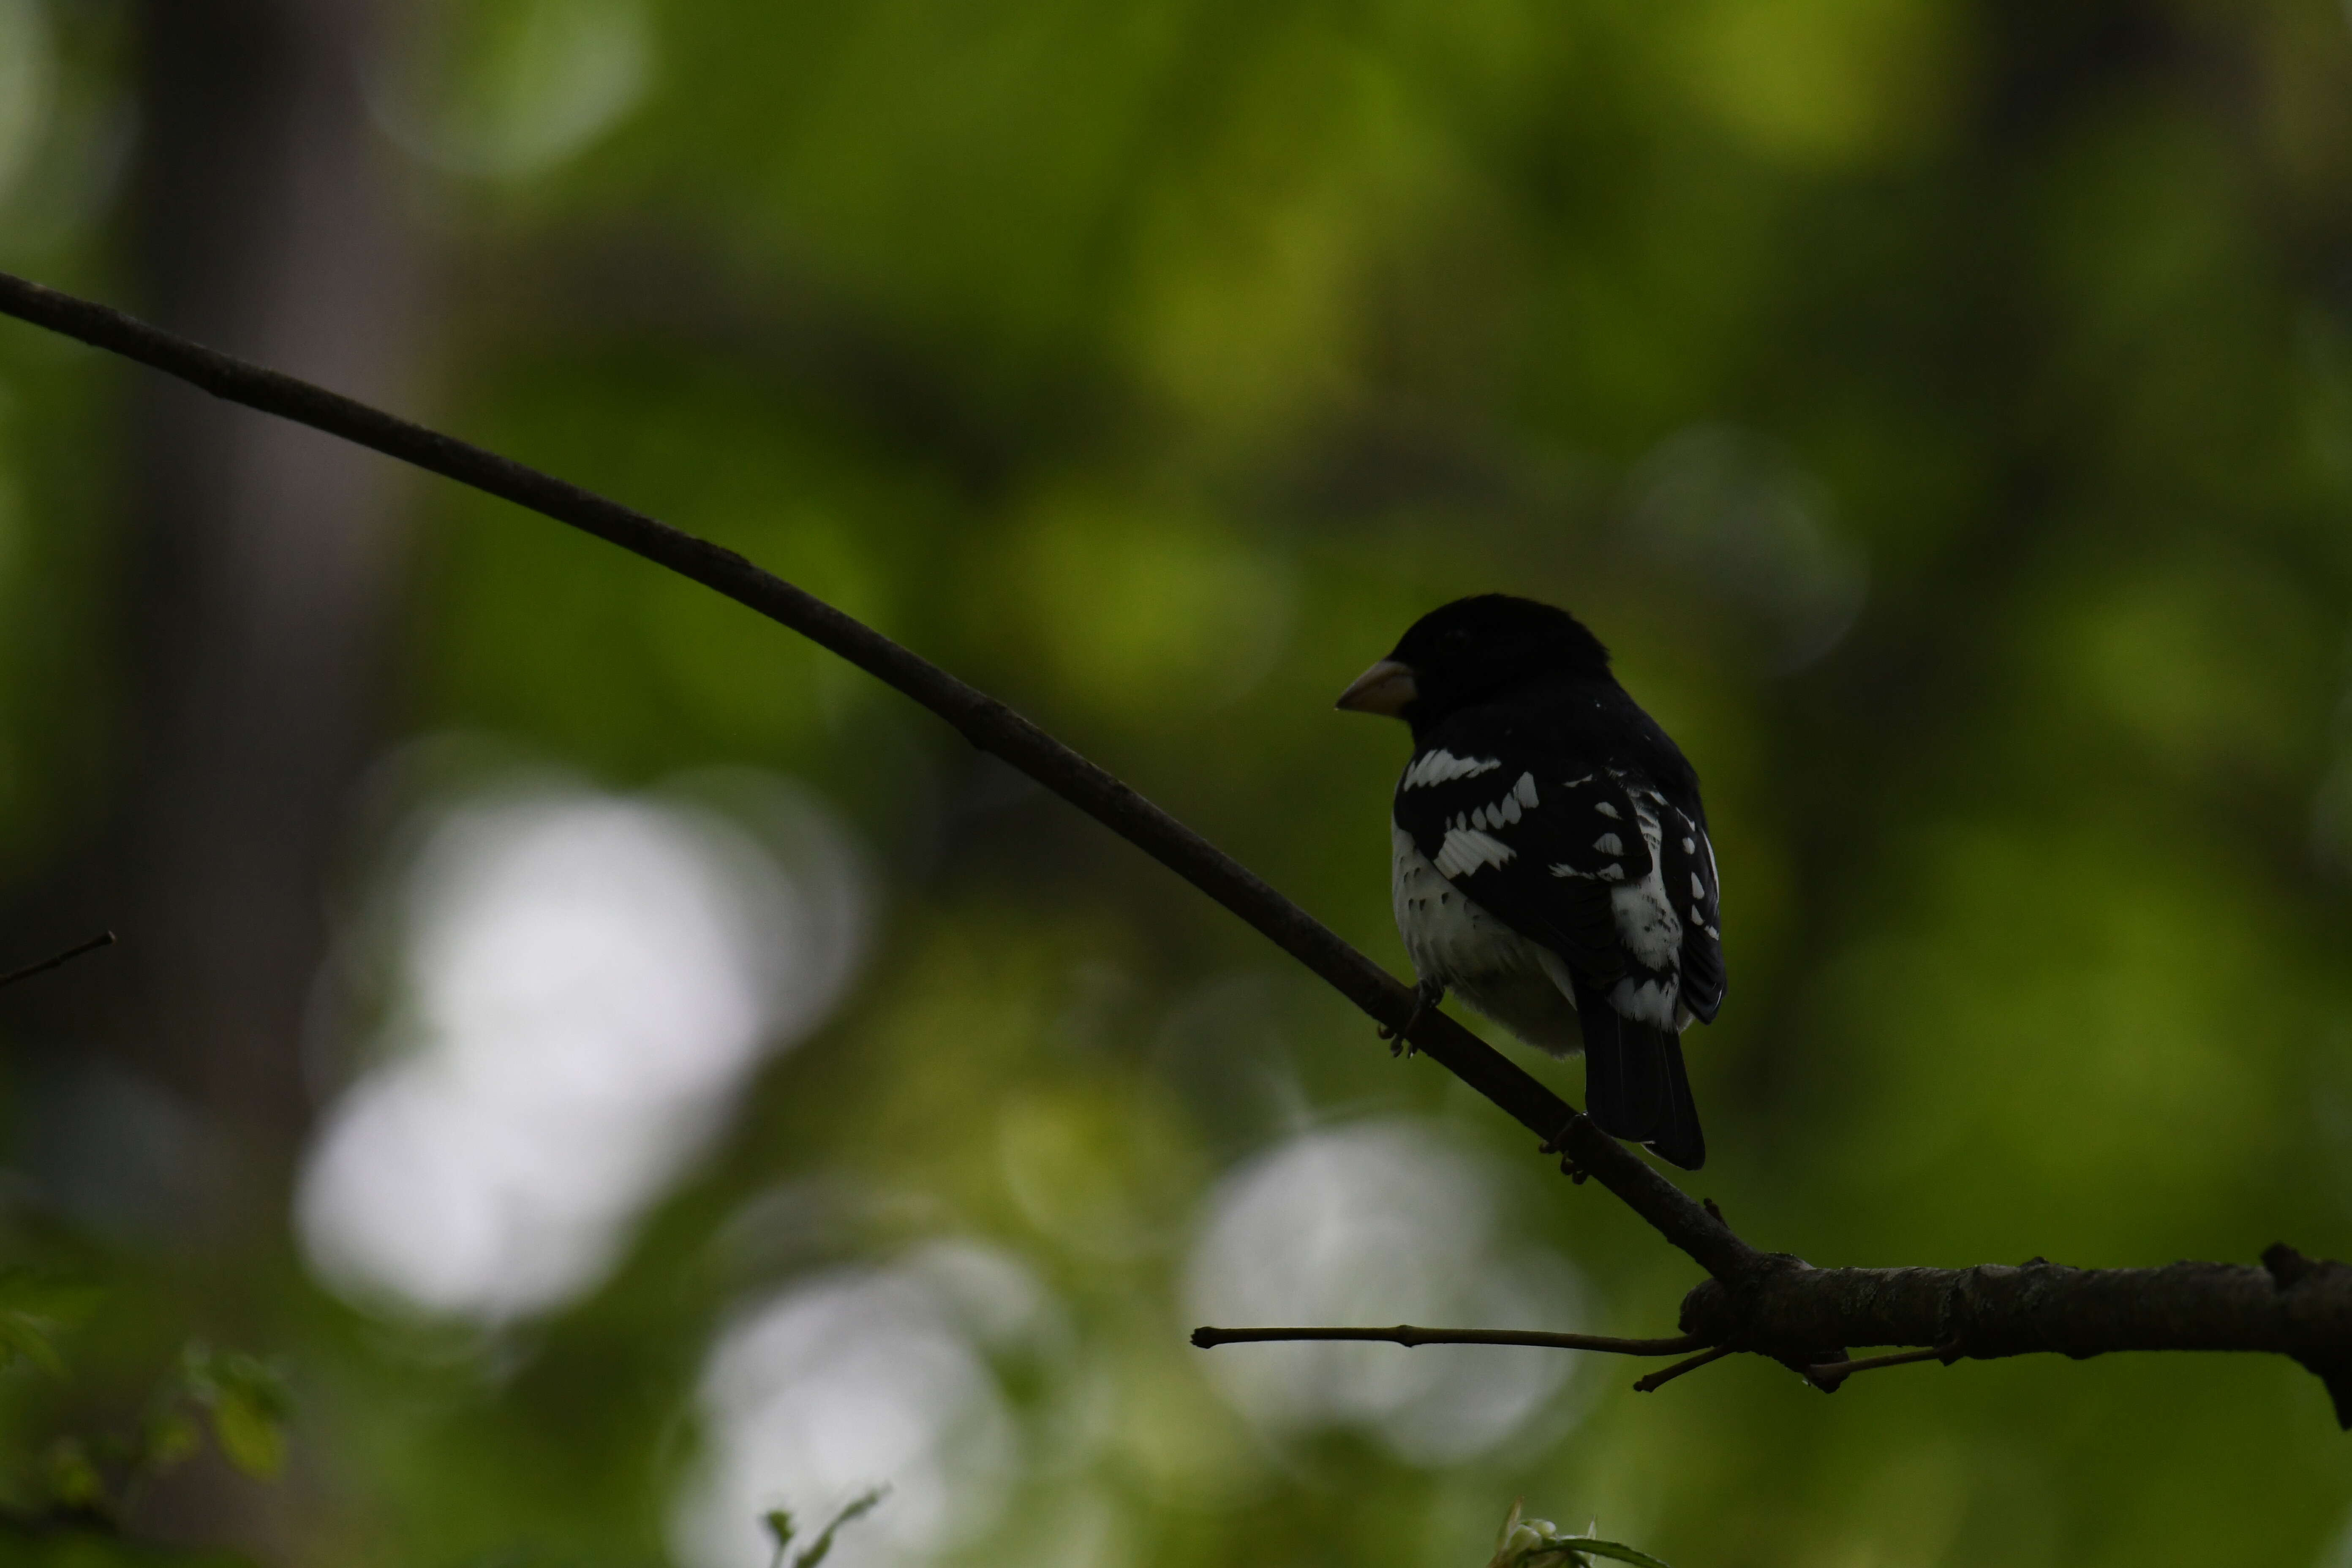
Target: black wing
x=1540, y=840
x=1537, y=840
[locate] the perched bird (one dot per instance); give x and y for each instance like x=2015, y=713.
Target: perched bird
x=1552, y=859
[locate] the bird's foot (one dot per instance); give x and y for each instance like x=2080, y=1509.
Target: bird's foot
x=1558, y=1144
x=1426, y=995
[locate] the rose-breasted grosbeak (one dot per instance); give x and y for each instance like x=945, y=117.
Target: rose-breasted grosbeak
x=1551, y=859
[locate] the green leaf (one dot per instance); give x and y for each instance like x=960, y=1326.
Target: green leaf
x=72, y=1478
x=31, y=1337
x=249, y=1432
x=34, y=1310
x=1617, y=1549
x=247, y=1398
x=779, y=1527
x=171, y=1437
x=209, y=1375
x=822, y=1545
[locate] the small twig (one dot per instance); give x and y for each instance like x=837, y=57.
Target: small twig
x=1666, y=1375
x=1407, y=1335
x=1830, y=1374
x=104, y=938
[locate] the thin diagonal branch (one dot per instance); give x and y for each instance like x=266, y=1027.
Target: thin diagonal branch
x=1407, y=1335
x=987, y=724
x=1771, y=1304
x=104, y=938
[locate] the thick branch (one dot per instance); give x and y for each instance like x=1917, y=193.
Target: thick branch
x=1772, y=1304
x=1407, y=1335
x=2292, y=1306
x=1803, y=1317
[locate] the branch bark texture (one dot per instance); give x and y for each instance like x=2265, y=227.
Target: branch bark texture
x=1772, y=1304
x=1407, y=1335
x=2291, y=1306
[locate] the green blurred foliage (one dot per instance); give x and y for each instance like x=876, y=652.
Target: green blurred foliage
x=67, y=1486
x=1539, y=1544
x=1945, y=411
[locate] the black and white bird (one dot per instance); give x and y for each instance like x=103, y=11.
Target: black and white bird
x=1552, y=859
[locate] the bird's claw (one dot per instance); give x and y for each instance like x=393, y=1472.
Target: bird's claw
x=1425, y=997
x=1558, y=1144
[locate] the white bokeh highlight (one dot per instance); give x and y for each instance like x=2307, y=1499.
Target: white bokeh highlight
x=859, y=1378
x=584, y=983
x=1376, y=1224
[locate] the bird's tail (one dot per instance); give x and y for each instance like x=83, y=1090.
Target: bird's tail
x=1679, y=1139
x=1635, y=1082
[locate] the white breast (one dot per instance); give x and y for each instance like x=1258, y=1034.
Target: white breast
x=1457, y=944
x=1447, y=935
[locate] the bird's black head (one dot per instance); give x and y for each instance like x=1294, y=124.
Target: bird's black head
x=1473, y=649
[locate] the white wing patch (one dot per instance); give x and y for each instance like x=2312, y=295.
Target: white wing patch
x=1443, y=766
x=1647, y=921
x=1466, y=849
x=1504, y=812
x=1651, y=1001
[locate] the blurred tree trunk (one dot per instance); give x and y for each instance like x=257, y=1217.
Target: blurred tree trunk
x=264, y=555
x=260, y=566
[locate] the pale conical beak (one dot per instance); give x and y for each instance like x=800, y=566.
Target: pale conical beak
x=1385, y=688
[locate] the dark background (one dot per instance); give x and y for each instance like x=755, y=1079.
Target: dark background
x=636, y=1072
